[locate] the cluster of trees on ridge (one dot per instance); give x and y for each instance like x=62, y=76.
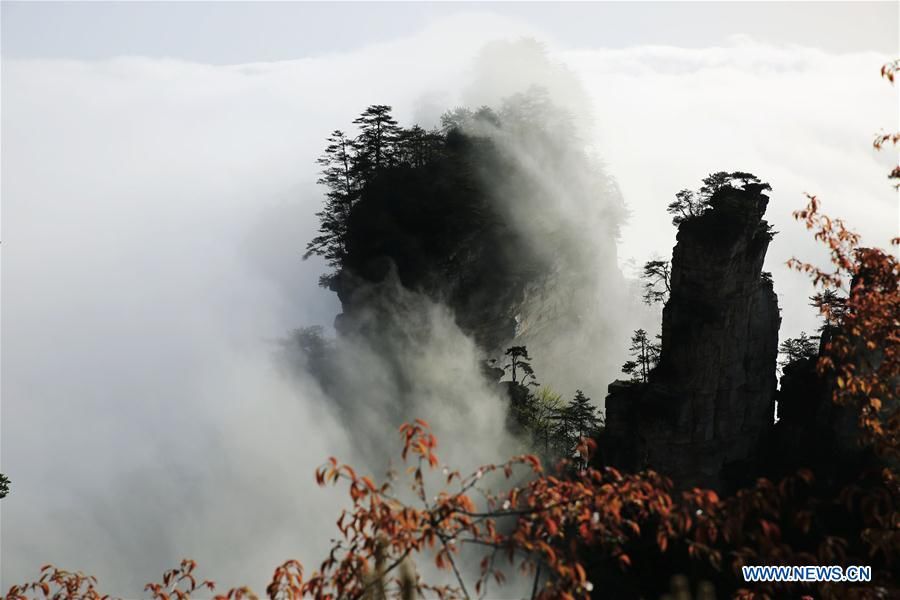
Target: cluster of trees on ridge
x=418, y=196
x=553, y=427
x=351, y=164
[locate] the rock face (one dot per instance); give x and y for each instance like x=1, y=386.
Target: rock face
x=550, y=306
x=711, y=400
x=514, y=233
x=812, y=430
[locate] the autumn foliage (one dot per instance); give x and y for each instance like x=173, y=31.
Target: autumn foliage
x=863, y=354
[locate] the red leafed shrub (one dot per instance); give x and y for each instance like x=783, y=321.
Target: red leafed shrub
x=59, y=585
x=538, y=525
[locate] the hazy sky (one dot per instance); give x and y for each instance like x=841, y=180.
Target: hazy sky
x=241, y=32
x=158, y=187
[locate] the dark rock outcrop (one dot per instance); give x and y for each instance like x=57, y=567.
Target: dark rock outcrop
x=513, y=232
x=812, y=430
x=711, y=400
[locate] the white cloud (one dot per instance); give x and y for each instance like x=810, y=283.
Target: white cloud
x=800, y=118
x=155, y=211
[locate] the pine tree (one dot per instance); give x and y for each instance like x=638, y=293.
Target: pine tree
x=377, y=141
x=582, y=416
x=688, y=204
x=337, y=176
x=519, y=366
x=546, y=409
x=793, y=349
x=348, y=165
x=657, y=284
x=573, y=422
x=714, y=182
x=456, y=119
x=831, y=306
x=685, y=206
x=646, y=355
x=412, y=147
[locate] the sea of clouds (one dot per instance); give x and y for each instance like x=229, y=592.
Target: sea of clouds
x=155, y=212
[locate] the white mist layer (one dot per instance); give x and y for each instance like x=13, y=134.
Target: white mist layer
x=800, y=118
x=155, y=213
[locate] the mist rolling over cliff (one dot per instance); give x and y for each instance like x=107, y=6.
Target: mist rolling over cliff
x=173, y=372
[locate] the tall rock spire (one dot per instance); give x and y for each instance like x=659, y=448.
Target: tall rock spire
x=712, y=397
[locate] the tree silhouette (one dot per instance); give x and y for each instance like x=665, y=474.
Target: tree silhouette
x=377, y=141
x=688, y=204
x=577, y=420
x=657, y=284
x=713, y=182
x=521, y=111
x=351, y=164
x=528, y=412
x=4, y=485
x=416, y=199
x=685, y=206
x=416, y=147
x=583, y=416
x=455, y=119
x=646, y=355
x=519, y=366
x=746, y=179
x=547, y=406
x=831, y=305
x=793, y=349
x=338, y=164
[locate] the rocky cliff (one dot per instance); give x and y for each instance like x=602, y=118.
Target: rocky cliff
x=711, y=399
x=512, y=228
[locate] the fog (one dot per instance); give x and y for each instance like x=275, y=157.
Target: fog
x=155, y=213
